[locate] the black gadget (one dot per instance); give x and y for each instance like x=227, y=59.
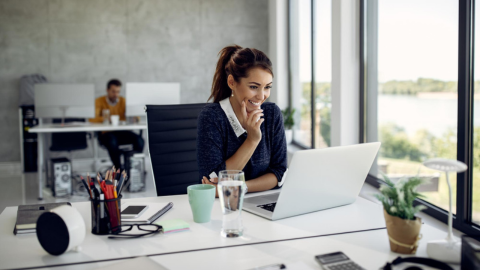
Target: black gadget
x=133, y=211
x=337, y=261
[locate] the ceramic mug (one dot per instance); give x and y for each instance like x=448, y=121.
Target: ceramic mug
x=115, y=119
x=201, y=198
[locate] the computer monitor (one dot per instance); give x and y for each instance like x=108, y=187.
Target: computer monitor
x=64, y=100
x=140, y=94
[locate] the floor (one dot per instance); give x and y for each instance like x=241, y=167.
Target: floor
x=22, y=188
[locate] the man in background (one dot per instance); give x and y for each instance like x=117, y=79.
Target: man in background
x=114, y=104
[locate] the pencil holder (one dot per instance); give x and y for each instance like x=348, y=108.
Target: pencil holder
x=105, y=215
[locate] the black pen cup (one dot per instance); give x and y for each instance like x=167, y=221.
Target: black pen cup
x=106, y=217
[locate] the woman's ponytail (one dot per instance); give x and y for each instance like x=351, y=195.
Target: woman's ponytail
x=220, y=89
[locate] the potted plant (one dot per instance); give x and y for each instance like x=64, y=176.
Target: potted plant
x=288, y=123
x=403, y=227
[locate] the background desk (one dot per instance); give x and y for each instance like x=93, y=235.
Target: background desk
x=25, y=251
x=84, y=127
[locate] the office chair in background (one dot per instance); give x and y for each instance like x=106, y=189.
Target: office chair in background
x=127, y=151
x=172, y=140
x=69, y=141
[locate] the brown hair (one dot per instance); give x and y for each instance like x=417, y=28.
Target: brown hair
x=236, y=61
x=115, y=82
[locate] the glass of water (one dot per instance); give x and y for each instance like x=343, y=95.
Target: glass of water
x=231, y=190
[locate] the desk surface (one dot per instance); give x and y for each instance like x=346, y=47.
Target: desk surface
x=369, y=249
x=25, y=251
x=55, y=128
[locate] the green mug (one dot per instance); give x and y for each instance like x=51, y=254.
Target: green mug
x=201, y=198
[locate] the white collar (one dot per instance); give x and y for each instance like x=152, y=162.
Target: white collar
x=232, y=118
x=111, y=103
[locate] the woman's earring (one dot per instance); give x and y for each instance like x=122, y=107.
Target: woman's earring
x=232, y=93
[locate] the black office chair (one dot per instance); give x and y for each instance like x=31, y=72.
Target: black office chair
x=126, y=150
x=172, y=141
x=68, y=141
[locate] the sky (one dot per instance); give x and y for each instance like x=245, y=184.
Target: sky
x=416, y=38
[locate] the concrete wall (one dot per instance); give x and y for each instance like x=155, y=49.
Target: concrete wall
x=91, y=41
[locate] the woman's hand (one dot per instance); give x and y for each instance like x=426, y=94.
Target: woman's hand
x=213, y=182
x=252, y=122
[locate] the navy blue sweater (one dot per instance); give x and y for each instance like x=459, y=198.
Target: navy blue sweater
x=217, y=142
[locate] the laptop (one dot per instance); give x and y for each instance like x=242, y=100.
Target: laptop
x=317, y=179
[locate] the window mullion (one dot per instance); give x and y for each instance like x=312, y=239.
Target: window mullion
x=465, y=111
x=312, y=93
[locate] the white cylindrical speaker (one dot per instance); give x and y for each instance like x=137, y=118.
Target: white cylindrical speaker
x=60, y=230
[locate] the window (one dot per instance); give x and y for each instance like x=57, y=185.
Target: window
x=323, y=71
x=417, y=59
x=417, y=90
x=310, y=39
x=301, y=69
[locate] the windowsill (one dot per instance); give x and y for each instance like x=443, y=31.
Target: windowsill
x=291, y=149
x=368, y=191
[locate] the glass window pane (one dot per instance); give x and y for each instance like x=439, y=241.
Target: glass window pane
x=417, y=90
x=301, y=69
x=323, y=71
x=476, y=122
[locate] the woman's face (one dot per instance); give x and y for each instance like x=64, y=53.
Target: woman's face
x=254, y=89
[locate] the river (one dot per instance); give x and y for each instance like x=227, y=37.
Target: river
x=412, y=113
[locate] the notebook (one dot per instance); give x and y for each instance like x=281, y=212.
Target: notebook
x=173, y=225
x=154, y=211
x=27, y=216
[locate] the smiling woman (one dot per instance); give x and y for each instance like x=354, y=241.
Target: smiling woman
x=239, y=130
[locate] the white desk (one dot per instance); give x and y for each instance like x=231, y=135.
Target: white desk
x=56, y=128
x=369, y=249
x=25, y=251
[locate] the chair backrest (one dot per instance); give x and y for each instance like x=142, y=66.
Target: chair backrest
x=68, y=141
x=172, y=141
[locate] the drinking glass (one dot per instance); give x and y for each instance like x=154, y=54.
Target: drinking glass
x=231, y=190
x=106, y=116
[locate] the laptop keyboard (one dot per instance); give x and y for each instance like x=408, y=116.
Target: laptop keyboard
x=269, y=206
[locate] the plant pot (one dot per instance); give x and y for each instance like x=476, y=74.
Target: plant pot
x=289, y=136
x=403, y=234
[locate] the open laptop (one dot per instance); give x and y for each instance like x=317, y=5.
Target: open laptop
x=317, y=179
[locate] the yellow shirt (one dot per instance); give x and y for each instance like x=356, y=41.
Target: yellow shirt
x=102, y=104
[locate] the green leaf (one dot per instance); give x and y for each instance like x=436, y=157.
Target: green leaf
x=397, y=198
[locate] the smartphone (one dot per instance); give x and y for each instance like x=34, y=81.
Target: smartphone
x=337, y=260
x=133, y=211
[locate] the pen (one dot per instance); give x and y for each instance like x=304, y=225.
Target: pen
x=99, y=180
x=86, y=186
x=89, y=180
x=271, y=267
x=96, y=193
x=92, y=186
x=125, y=180
x=120, y=182
x=102, y=210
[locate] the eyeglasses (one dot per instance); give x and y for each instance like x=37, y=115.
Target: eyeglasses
x=120, y=231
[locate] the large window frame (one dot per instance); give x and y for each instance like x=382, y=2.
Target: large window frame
x=462, y=221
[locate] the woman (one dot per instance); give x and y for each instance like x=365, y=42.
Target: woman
x=239, y=130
